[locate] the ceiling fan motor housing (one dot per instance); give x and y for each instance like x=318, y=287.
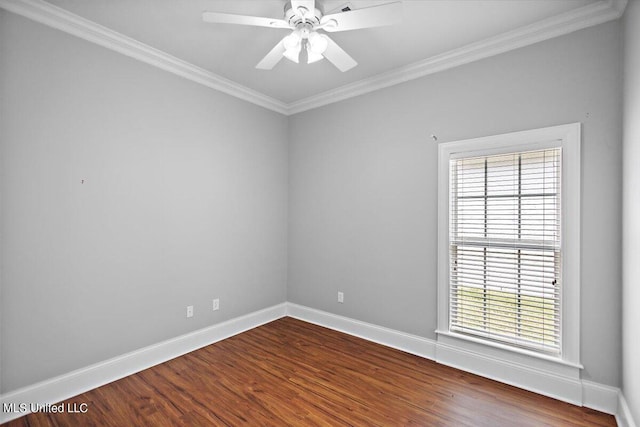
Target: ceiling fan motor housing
x=302, y=17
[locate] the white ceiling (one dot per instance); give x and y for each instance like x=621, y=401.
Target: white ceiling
x=429, y=29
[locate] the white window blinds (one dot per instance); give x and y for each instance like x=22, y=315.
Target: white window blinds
x=505, y=249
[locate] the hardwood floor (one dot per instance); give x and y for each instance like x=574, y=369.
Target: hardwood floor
x=289, y=372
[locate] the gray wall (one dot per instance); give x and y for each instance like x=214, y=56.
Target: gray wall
x=184, y=200
x=186, y=193
x=363, y=183
x=631, y=212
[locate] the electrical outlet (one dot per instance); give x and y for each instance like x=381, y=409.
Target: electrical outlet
x=340, y=297
x=216, y=304
x=189, y=311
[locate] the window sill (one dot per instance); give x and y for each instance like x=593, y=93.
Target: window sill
x=509, y=354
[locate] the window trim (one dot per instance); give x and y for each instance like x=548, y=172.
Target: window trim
x=568, y=138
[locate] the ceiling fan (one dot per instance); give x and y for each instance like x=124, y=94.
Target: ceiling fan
x=305, y=18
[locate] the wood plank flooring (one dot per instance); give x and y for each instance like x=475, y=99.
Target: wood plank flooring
x=290, y=372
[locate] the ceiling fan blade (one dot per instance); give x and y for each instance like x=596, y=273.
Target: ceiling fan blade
x=228, y=18
x=337, y=56
x=309, y=5
x=376, y=16
x=273, y=57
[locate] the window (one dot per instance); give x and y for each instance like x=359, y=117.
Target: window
x=504, y=248
x=509, y=258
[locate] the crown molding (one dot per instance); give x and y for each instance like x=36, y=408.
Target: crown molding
x=568, y=22
x=577, y=19
x=58, y=18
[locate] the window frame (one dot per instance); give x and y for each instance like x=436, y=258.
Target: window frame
x=567, y=137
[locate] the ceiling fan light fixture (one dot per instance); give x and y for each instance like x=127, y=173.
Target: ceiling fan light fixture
x=316, y=43
x=292, y=45
x=292, y=41
x=313, y=56
x=292, y=55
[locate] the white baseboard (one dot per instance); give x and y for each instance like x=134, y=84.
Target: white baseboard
x=559, y=387
x=624, y=418
x=82, y=380
x=581, y=392
x=413, y=344
x=600, y=397
x=519, y=375
x=574, y=390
